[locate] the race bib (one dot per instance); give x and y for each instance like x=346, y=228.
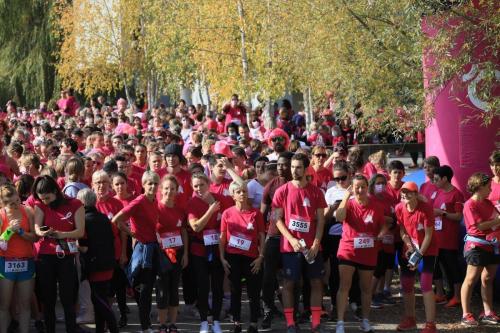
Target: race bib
x=211, y=237
x=299, y=224
x=433, y=196
x=388, y=239
x=16, y=266
x=72, y=246
x=170, y=240
x=438, y=223
x=240, y=242
x=363, y=242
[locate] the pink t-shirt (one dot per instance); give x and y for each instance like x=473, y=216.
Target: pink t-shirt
x=242, y=230
x=415, y=223
x=143, y=218
x=446, y=230
x=171, y=221
x=476, y=212
x=494, y=196
x=429, y=190
x=359, y=231
x=300, y=207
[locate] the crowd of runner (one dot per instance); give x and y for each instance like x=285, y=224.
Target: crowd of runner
x=101, y=203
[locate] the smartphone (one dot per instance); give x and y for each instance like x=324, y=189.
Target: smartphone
x=44, y=228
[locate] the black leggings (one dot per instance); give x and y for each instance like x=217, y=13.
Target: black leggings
x=447, y=262
x=167, y=285
x=118, y=287
x=240, y=268
x=189, y=289
x=272, y=261
x=385, y=261
x=103, y=311
x=143, y=290
x=54, y=272
x=210, y=275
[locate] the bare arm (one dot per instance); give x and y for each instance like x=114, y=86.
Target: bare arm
x=427, y=239
x=341, y=212
x=487, y=225
x=199, y=224
x=79, y=227
x=120, y=220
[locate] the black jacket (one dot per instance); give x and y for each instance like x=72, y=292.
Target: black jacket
x=100, y=242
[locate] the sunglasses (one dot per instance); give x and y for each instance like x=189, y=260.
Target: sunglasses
x=320, y=155
x=340, y=179
x=277, y=138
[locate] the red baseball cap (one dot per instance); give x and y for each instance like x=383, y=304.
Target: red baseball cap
x=410, y=187
x=222, y=147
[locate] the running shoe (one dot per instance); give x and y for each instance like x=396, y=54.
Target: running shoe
x=122, y=322
x=339, y=328
x=317, y=329
x=440, y=299
x=204, y=327
x=377, y=302
x=492, y=318
x=236, y=329
x=252, y=329
x=407, y=324
x=163, y=329
x=469, y=320
x=172, y=328
x=453, y=302
x=216, y=327
x=366, y=327
x=291, y=329
x=429, y=328
x=267, y=320
x=389, y=301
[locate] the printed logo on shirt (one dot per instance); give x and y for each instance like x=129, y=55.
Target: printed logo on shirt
x=225, y=192
x=67, y=216
x=306, y=202
x=420, y=226
x=433, y=196
x=110, y=216
x=443, y=206
x=369, y=218
x=179, y=223
x=181, y=190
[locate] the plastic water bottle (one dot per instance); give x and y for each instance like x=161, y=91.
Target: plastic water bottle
x=305, y=252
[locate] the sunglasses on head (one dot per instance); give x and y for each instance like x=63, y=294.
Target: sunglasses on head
x=320, y=155
x=340, y=179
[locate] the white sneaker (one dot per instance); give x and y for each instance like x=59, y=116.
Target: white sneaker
x=216, y=327
x=365, y=326
x=85, y=318
x=340, y=327
x=204, y=327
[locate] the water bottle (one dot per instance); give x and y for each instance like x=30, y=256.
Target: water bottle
x=7, y=234
x=305, y=252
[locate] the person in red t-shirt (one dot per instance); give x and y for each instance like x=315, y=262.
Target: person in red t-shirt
x=235, y=112
x=141, y=158
x=448, y=206
x=219, y=164
x=321, y=176
x=204, y=214
x=481, y=220
x=428, y=189
x=416, y=221
x=363, y=225
x=299, y=208
x=143, y=214
x=242, y=252
x=173, y=239
x=173, y=160
x=494, y=196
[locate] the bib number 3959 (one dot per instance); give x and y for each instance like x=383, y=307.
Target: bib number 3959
x=16, y=266
x=299, y=224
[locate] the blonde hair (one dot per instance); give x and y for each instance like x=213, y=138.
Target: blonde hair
x=379, y=158
x=237, y=185
x=7, y=191
x=170, y=178
x=477, y=180
x=199, y=175
x=74, y=169
x=150, y=176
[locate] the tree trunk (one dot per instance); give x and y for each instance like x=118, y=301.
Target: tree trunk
x=269, y=121
x=244, y=59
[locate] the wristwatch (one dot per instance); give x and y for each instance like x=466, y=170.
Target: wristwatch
x=20, y=232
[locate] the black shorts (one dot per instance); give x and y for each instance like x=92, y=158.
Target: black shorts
x=361, y=267
x=480, y=257
x=428, y=264
x=293, y=262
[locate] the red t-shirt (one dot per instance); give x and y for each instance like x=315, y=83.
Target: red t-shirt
x=321, y=178
x=267, y=199
x=369, y=170
x=185, y=191
x=386, y=203
x=415, y=223
x=299, y=207
x=195, y=210
x=223, y=190
x=143, y=218
x=171, y=221
x=476, y=212
x=236, y=115
x=446, y=230
x=394, y=194
x=359, y=231
x=429, y=190
x=242, y=230
x=494, y=196
x=60, y=219
x=110, y=207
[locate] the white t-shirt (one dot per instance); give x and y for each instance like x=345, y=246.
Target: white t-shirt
x=255, y=193
x=334, y=194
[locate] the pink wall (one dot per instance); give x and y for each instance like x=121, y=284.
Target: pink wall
x=463, y=145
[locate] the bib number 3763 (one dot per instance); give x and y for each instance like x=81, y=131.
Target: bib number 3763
x=16, y=266
x=299, y=224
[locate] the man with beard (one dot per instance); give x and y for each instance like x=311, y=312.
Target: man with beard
x=299, y=208
x=278, y=140
x=272, y=255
